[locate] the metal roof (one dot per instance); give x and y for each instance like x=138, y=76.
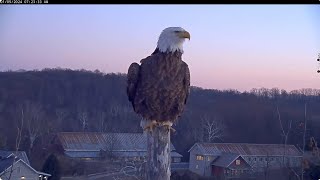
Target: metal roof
x=21, y=154
x=96, y=154
x=225, y=159
x=175, y=154
x=93, y=141
x=245, y=149
x=5, y=163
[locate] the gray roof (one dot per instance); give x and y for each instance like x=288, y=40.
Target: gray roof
x=245, y=149
x=89, y=144
x=96, y=154
x=5, y=163
x=225, y=159
x=21, y=154
x=96, y=141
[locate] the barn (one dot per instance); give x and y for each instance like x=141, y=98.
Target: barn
x=237, y=159
x=94, y=145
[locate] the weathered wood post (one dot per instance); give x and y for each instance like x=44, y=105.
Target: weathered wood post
x=158, y=153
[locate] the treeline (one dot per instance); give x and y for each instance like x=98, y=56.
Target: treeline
x=54, y=100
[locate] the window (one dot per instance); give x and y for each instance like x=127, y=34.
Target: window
x=200, y=158
x=272, y=159
x=18, y=169
x=255, y=159
x=249, y=158
x=260, y=159
x=197, y=166
x=208, y=158
x=238, y=162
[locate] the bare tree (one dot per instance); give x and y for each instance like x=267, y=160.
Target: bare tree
x=313, y=145
x=83, y=118
x=61, y=114
x=34, y=117
x=18, y=141
x=285, y=135
x=198, y=133
x=134, y=169
x=101, y=115
x=214, y=128
x=304, y=138
x=114, y=109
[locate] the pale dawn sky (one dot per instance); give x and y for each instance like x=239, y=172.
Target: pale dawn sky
x=232, y=46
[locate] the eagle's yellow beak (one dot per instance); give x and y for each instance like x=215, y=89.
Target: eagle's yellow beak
x=184, y=34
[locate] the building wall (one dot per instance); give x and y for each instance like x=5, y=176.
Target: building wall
x=19, y=170
x=259, y=163
x=195, y=165
x=243, y=164
x=207, y=165
x=175, y=159
x=201, y=167
x=91, y=155
x=217, y=171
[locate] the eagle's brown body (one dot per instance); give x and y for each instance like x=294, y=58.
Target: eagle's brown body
x=158, y=88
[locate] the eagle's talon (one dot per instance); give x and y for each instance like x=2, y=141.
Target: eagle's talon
x=172, y=129
x=150, y=126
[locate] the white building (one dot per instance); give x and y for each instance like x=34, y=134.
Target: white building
x=17, y=167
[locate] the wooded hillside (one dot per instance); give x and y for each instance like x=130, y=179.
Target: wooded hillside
x=55, y=100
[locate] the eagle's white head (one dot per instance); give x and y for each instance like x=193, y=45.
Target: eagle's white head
x=171, y=39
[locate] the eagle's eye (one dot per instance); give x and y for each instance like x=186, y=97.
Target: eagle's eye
x=176, y=31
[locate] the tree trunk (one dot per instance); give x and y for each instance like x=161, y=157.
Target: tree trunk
x=158, y=155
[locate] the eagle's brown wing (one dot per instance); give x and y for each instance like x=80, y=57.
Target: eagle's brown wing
x=186, y=82
x=132, y=81
x=163, y=87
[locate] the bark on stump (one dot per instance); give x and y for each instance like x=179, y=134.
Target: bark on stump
x=158, y=155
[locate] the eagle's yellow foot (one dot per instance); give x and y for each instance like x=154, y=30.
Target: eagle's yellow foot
x=173, y=130
x=169, y=125
x=150, y=126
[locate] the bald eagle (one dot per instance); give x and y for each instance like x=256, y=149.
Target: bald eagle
x=158, y=88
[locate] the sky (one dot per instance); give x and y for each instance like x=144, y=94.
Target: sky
x=232, y=46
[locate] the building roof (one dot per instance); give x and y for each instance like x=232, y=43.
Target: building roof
x=96, y=154
x=245, y=149
x=21, y=154
x=225, y=159
x=7, y=162
x=92, y=141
